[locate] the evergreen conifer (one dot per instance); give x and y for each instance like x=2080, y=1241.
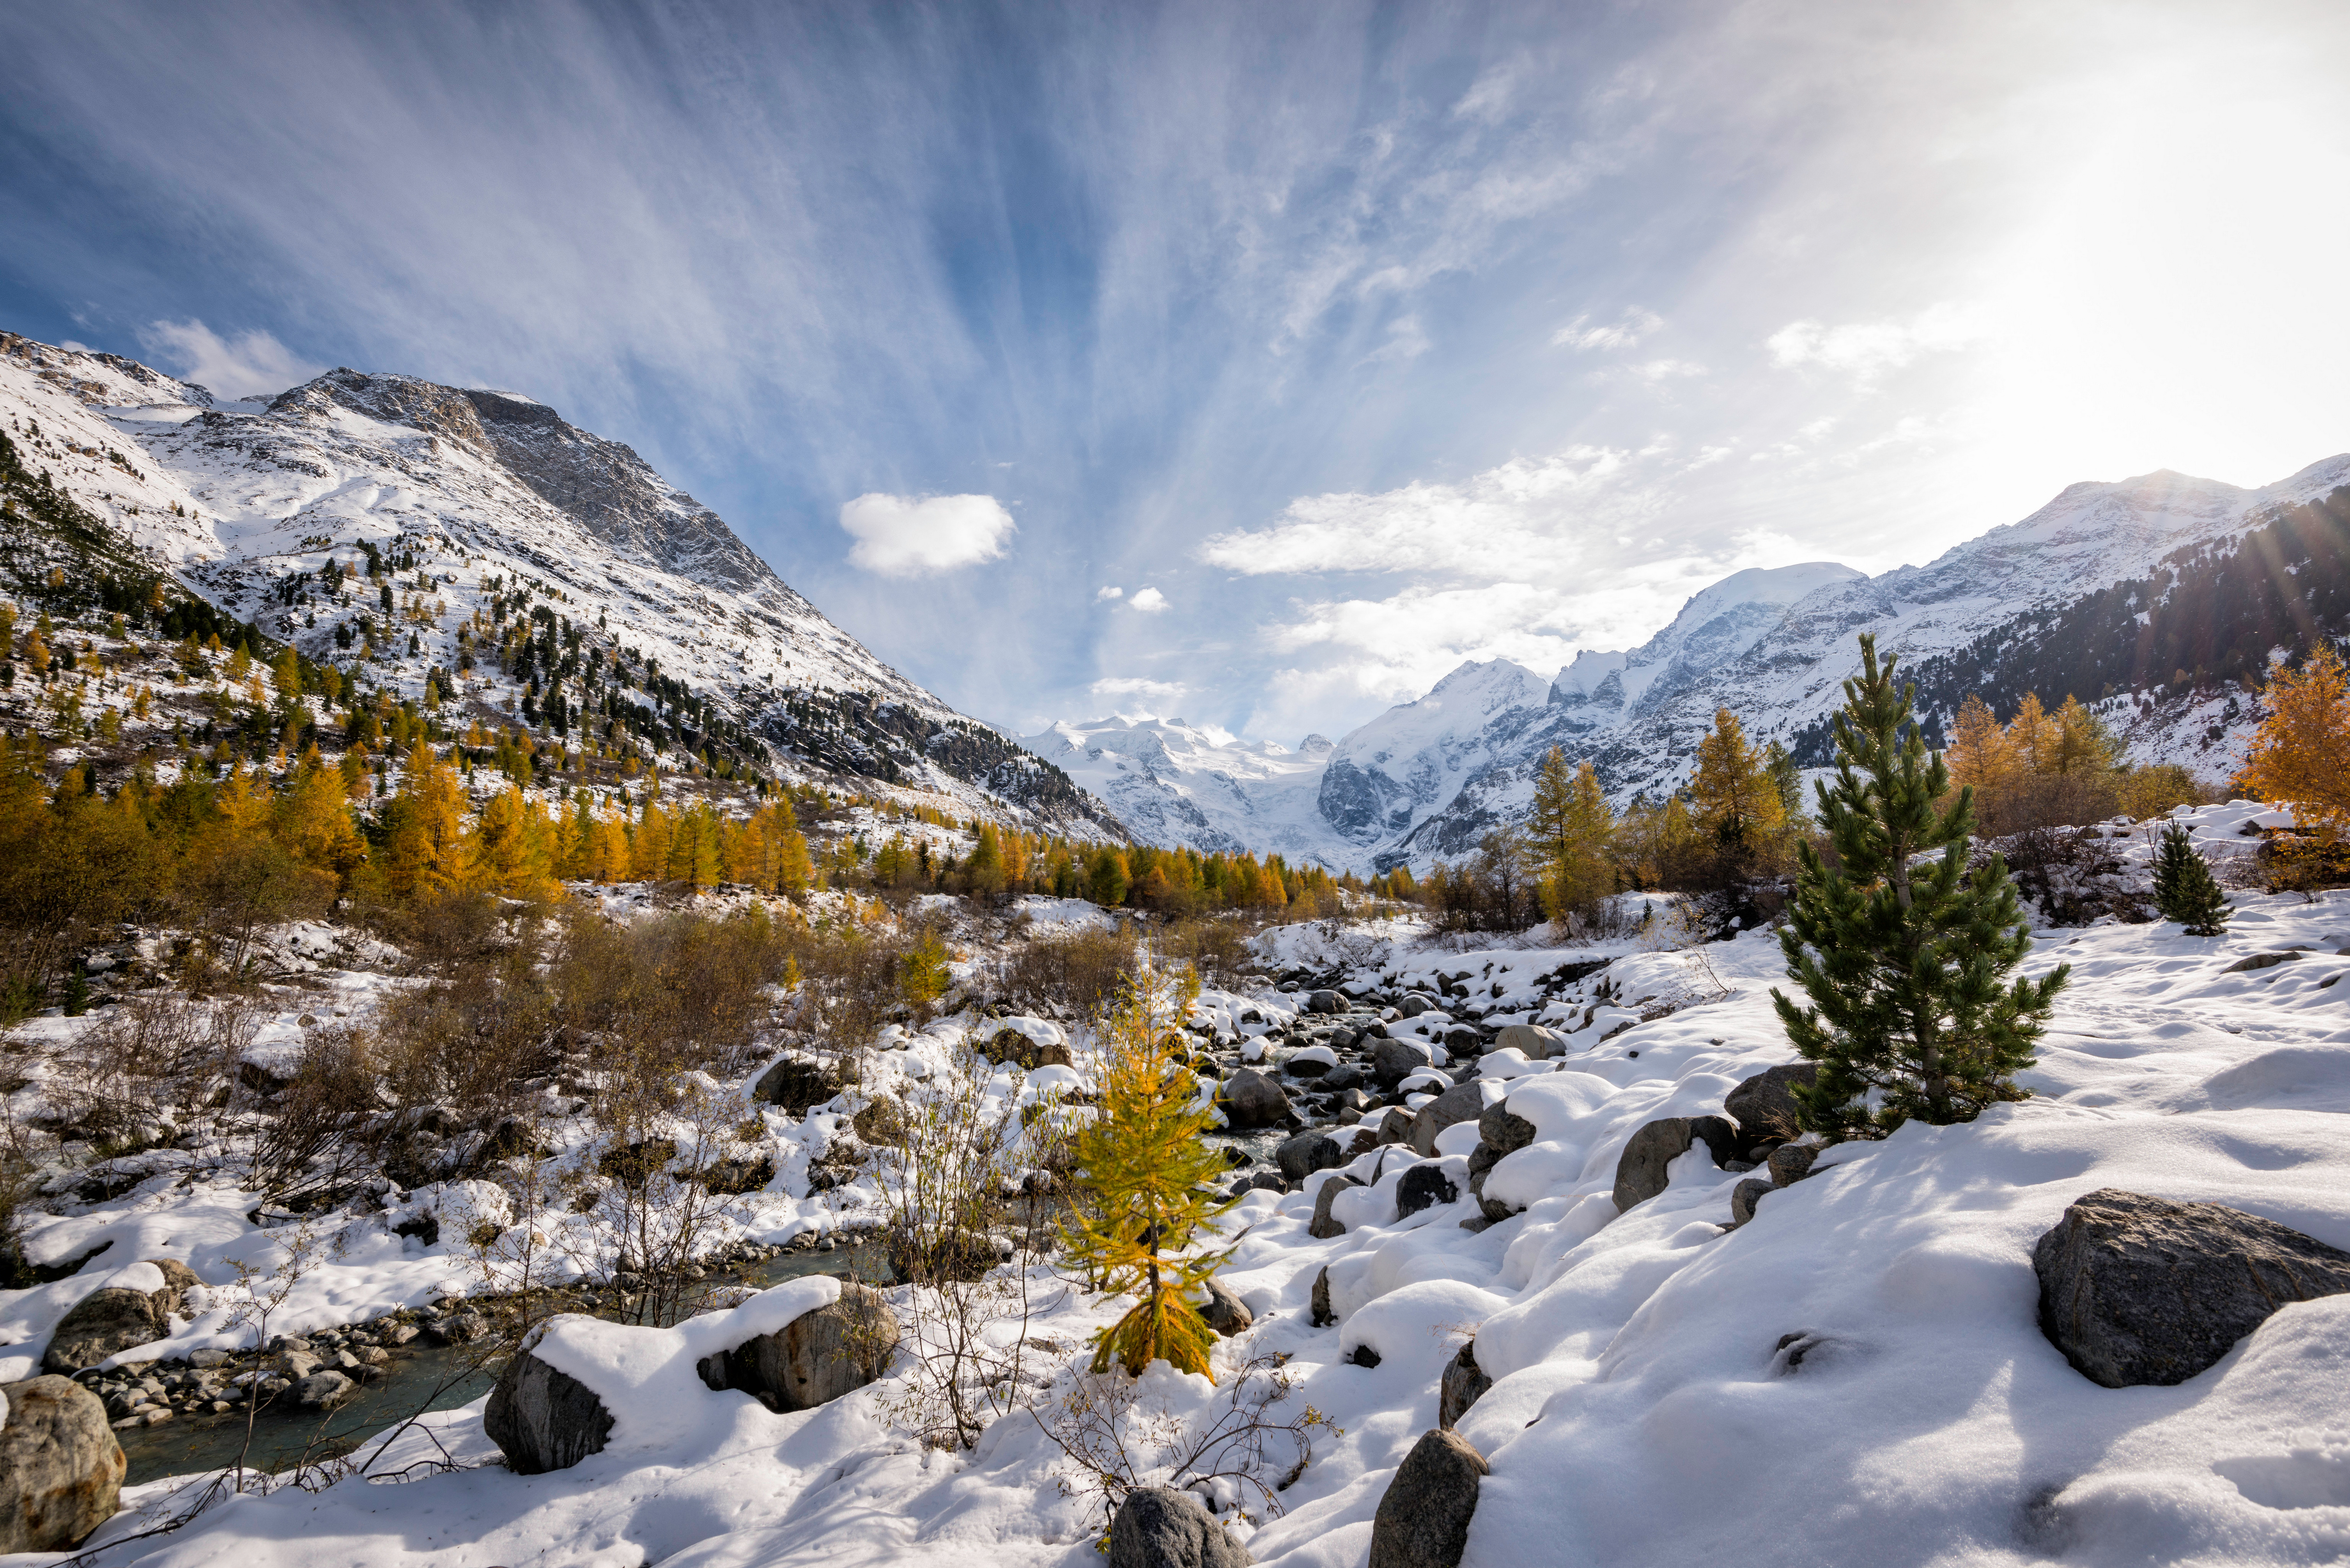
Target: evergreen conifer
x=1903, y=966
x=2185, y=889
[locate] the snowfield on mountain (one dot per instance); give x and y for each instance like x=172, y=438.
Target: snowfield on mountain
x=1857, y=1374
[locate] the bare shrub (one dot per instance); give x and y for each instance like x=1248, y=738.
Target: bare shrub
x=314, y=1145
x=153, y=1067
x=1081, y=974
x=1216, y=945
x=465, y=1046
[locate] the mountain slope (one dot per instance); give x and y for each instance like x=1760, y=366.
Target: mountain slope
x=462, y=500
x=1171, y=783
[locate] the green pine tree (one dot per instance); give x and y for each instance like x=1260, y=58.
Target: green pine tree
x=1903, y=965
x=2184, y=889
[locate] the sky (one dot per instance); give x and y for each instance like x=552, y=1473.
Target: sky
x=1258, y=363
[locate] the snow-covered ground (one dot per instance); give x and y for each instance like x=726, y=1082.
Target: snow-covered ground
x=1647, y=1408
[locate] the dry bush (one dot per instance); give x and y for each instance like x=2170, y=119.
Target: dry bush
x=2038, y=802
x=1083, y=972
x=1216, y=946
x=467, y=1045
x=446, y=926
x=314, y=1144
x=698, y=985
x=153, y=1067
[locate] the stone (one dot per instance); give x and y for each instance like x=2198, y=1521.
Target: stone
x=1460, y=1103
x=1745, y=1195
x=1353, y=1102
x=396, y=1335
x=60, y=1467
x=794, y=1085
x=2261, y=960
x=1252, y=1100
x=1225, y=1312
x=1505, y=1132
x=1640, y=1171
x=1481, y=1161
x=324, y=1391
x=1345, y=1076
x=1395, y=1126
x=1320, y=1307
x=459, y=1328
x=1764, y=1104
x=1326, y=1002
x=1415, y=1003
x=299, y=1364
x=1393, y=1059
x=1158, y=1527
x=542, y=1419
x=815, y=1358
x=1461, y=1385
x=1306, y=1153
x=208, y=1358
x=1013, y=1048
x=2137, y=1290
x=1424, y=1187
x=1537, y=1042
x=107, y=1322
x=1325, y=1225
x=1791, y=1162
x=1423, y=1516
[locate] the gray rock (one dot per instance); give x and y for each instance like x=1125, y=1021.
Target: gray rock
x=815, y=1358
x=1354, y=1101
x=1320, y=1309
x=1345, y=1076
x=299, y=1364
x=1481, y=1161
x=1306, y=1153
x=1538, y=1043
x=1395, y=1126
x=2261, y=960
x=1326, y=1002
x=1462, y=1385
x=794, y=1085
x=1764, y=1104
x=2135, y=1289
x=208, y=1358
x=542, y=1419
x=1158, y=1527
x=1460, y=1103
x=1506, y=1132
x=105, y=1322
x=1252, y=1100
x=1789, y=1163
x=1423, y=1516
x=1745, y=1195
x=1641, y=1171
x=324, y=1391
x=60, y=1467
x=1225, y=1312
x=1424, y=1187
x=459, y=1328
x=1393, y=1059
x=1416, y=1004
x=1324, y=1226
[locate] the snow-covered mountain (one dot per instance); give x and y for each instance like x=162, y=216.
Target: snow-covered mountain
x=2154, y=595
x=481, y=497
x=1174, y=782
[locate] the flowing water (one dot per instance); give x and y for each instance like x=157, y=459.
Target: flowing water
x=420, y=1378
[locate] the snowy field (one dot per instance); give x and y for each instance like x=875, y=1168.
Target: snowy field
x=1857, y=1376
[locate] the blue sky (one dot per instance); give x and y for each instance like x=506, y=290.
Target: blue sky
x=1344, y=342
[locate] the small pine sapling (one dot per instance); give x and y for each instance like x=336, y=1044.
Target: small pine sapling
x=1903, y=965
x=2184, y=889
x=1145, y=1172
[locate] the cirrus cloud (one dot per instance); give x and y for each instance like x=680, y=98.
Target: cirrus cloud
x=1866, y=349
x=247, y=365
x=910, y=535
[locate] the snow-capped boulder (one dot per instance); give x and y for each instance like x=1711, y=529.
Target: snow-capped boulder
x=1764, y=1106
x=1423, y=1516
x=1158, y=1527
x=1460, y=1103
x=1325, y=1224
x=544, y=1419
x=1393, y=1059
x=2135, y=1289
x=1252, y=1100
x=1423, y=1186
x=815, y=1358
x=1311, y=1062
x=134, y=1307
x=1306, y=1153
x=1532, y=1040
x=60, y=1467
x=1462, y=1385
x=1642, y=1172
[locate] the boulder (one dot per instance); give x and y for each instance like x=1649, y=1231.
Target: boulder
x=1423, y=1186
x=1641, y=1171
x=794, y=1085
x=1262, y=1181
x=1319, y=1309
x=1324, y=1226
x=1535, y=1042
x=1306, y=1153
x=60, y=1467
x=1506, y=1133
x=1158, y=1527
x=1423, y=1516
x=1345, y=1076
x=1462, y=1385
x=1791, y=1162
x=1416, y=1004
x=1745, y=1195
x=1225, y=1312
x=1395, y=1126
x=1393, y=1059
x=815, y=1358
x=324, y=1391
x=1481, y=1161
x=1252, y=1100
x=1764, y=1104
x=2136, y=1290
x=1013, y=1048
x=107, y=1321
x=542, y=1419
x=1326, y=1002
x=1460, y=1103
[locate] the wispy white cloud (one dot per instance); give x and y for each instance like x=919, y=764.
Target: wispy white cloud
x=1137, y=686
x=1149, y=601
x=1867, y=349
x=1623, y=333
x=907, y=536
x=1108, y=592
x=249, y=364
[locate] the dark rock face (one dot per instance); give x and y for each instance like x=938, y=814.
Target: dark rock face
x=815, y=1358
x=1423, y=1517
x=1252, y=1100
x=1306, y=1153
x=1326, y=1002
x=1502, y=1131
x=542, y=1419
x=102, y=1324
x=1157, y=1527
x=1325, y=1225
x=793, y=1084
x=2135, y=1289
x=1745, y=1195
x=1225, y=1312
x=1641, y=1172
x=1789, y=1163
x=1462, y=1385
x=1424, y=1187
x=1392, y=1060
x=1323, y=1316
x=1395, y=1126
x=1764, y=1105
x=60, y=1467
x=1460, y=1103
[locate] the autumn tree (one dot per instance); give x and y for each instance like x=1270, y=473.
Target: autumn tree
x=2301, y=752
x=1735, y=800
x=1568, y=833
